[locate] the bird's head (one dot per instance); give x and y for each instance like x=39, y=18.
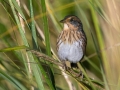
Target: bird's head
x=71, y=22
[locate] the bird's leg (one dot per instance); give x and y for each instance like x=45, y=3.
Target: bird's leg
x=74, y=65
x=64, y=65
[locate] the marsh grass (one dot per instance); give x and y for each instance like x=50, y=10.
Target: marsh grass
x=35, y=24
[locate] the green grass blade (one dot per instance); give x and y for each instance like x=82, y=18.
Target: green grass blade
x=37, y=73
x=13, y=48
x=46, y=29
x=47, y=78
x=20, y=11
x=47, y=40
x=33, y=66
x=12, y=80
x=100, y=40
x=34, y=37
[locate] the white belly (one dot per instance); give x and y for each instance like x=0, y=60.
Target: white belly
x=71, y=52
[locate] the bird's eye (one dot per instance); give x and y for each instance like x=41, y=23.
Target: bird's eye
x=72, y=20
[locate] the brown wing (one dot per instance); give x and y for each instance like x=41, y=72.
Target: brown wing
x=84, y=41
x=82, y=37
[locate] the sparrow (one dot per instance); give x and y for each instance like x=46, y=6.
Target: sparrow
x=72, y=41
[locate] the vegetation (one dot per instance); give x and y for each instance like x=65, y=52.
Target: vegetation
x=34, y=24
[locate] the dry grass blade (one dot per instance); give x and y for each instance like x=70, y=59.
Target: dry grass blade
x=43, y=56
x=51, y=60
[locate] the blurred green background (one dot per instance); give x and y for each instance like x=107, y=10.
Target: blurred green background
x=35, y=24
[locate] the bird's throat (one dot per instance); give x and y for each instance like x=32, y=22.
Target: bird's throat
x=66, y=27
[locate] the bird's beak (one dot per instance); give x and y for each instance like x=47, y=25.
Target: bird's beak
x=62, y=21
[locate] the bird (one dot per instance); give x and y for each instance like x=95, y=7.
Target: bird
x=72, y=41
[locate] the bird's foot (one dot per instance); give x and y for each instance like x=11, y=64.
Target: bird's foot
x=65, y=67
